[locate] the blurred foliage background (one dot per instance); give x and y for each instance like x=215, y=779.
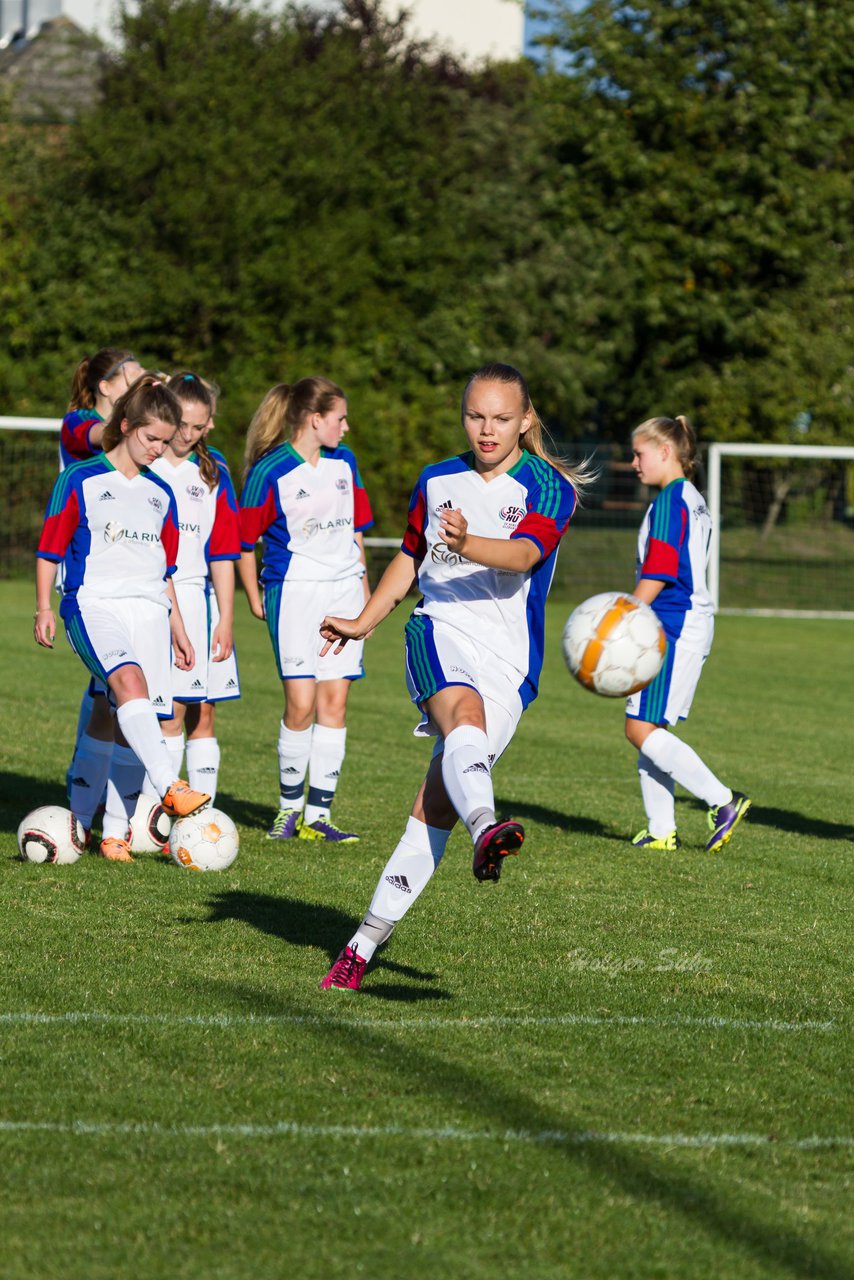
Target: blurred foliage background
x=654, y=218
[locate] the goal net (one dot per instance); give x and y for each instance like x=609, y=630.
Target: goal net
x=29, y=463
x=783, y=529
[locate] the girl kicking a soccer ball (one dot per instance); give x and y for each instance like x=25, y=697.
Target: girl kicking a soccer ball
x=673, y=556
x=114, y=526
x=482, y=539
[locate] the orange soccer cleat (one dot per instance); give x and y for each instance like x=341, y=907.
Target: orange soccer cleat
x=181, y=800
x=115, y=850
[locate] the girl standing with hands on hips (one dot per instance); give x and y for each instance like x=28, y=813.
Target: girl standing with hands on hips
x=673, y=557
x=113, y=525
x=481, y=540
x=304, y=496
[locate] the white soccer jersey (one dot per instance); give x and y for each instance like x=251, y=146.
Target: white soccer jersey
x=207, y=518
x=307, y=515
x=118, y=537
x=673, y=548
x=499, y=610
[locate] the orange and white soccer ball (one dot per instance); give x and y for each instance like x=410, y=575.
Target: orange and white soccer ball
x=206, y=841
x=614, y=644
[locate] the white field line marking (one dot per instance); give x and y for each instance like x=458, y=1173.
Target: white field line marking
x=226, y=1020
x=545, y=1138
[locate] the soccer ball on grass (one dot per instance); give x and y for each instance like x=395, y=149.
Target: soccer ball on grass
x=614, y=644
x=206, y=841
x=51, y=834
x=149, y=826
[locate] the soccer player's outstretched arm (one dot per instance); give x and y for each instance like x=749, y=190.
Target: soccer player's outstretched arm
x=391, y=589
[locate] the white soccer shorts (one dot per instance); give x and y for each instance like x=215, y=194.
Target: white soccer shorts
x=438, y=656
x=110, y=634
x=295, y=611
x=667, y=700
x=208, y=681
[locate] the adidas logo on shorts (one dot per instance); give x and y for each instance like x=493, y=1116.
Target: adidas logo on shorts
x=158, y=701
x=197, y=684
x=232, y=684
x=399, y=882
x=480, y=767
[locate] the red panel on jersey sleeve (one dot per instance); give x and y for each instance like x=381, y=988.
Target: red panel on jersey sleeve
x=225, y=535
x=662, y=561
x=540, y=529
x=59, y=530
x=254, y=521
x=74, y=438
x=363, y=517
x=169, y=538
x=414, y=542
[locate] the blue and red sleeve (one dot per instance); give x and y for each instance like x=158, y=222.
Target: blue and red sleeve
x=668, y=527
x=224, y=542
x=170, y=535
x=363, y=517
x=415, y=539
x=61, y=522
x=74, y=434
x=550, y=505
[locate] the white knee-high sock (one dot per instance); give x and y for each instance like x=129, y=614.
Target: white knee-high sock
x=124, y=786
x=203, y=757
x=657, y=792
x=324, y=770
x=467, y=775
x=294, y=751
x=89, y=771
x=681, y=763
x=85, y=714
x=175, y=747
x=141, y=728
x=407, y=872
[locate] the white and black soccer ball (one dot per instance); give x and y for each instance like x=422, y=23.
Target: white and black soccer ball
x=206, y=841
x=614, y=644
x=149, y=826
x=51, y=834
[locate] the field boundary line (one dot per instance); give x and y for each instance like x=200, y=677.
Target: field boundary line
x=488, y=1021
x=545, y=1138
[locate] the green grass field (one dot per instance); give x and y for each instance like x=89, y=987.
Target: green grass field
x=608, y=1065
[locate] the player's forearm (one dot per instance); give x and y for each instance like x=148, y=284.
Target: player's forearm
x=247, y=567
x=222, y=577
x=391, y=589
x=648, y=589
x=45, y=580
x=516, y=555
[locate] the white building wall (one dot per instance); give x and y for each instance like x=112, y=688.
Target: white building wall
x=471, y=29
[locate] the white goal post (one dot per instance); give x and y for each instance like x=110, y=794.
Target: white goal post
x=716, y=491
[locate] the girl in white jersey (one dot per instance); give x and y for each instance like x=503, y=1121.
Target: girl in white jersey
x=482, y=539
x=673, y=554
x=204, y=582
x=304, y=496
x=114, y=526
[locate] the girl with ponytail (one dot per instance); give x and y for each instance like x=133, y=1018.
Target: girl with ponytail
x=304, y=496
x=672, y=565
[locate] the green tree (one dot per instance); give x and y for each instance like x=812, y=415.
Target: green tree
x=710, y=142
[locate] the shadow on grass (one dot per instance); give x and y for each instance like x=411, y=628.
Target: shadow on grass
x=799, y=824
x=313, y=924
x=20, y=794
x=246, y=813
x=571, y=823
x=495, y=1107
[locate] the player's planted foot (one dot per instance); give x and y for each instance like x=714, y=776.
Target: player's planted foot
x=286, y=824
x=347, y=972
x=646, y=840
x=323, y=829
x=181, y=800
x=724, y=819
x=115, y=850
x=493, y=845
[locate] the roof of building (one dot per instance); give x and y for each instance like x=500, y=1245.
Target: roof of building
x=53, y=76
